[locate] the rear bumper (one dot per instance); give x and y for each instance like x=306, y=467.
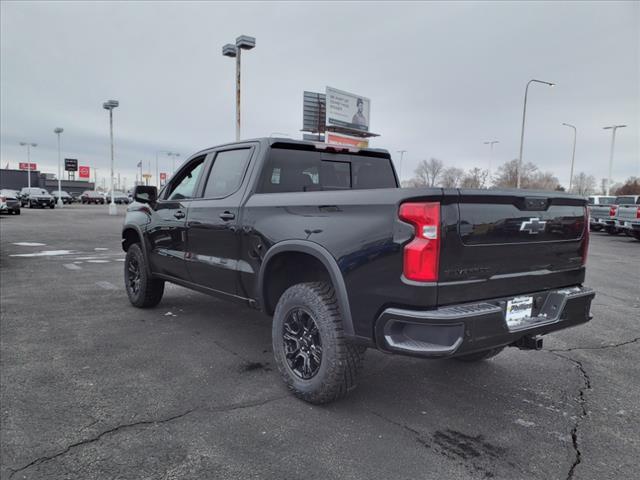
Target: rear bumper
x=461, y=329
x=628, y=224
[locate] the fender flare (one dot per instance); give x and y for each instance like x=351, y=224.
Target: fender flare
x=143, y=243
x=323, y=255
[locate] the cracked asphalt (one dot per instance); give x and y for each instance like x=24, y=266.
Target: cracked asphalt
x=92, y=388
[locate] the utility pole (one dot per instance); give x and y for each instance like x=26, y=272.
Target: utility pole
x=28, y=145
x=110, y=105
x=491, y=143
x=243, y=42
x=573, y=154
x=401, y=152
x=613, y=129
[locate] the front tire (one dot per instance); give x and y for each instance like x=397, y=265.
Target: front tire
x=143, y=290
x=479, y=356
x=314, y=358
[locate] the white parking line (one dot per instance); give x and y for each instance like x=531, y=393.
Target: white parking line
x=97, y=261
x=71, y=266
x=106, y=285
x=44, y=253
x=30, y=244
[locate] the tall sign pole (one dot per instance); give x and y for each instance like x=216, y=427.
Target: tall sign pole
x=613, y=129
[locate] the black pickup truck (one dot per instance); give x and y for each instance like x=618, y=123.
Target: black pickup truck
x=323, y=239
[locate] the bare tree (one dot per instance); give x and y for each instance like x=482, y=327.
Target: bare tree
x=451, y=177
x=542, y=181
x=506, y=176
x=428, y=172
x=475, y=178
x=631, y=187
x=583, y=184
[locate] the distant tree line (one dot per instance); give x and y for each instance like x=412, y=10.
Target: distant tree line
x=434, y=173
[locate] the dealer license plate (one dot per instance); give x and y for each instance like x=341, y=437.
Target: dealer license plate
x=518, y=308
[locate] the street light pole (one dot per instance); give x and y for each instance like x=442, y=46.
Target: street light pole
x=110, y=105
x=491, y=143
x=28, y=145
x=401, y=152
x=613, y=129
x=58, y=131
x=573, y=153
x=524, y=114
x=243, y=42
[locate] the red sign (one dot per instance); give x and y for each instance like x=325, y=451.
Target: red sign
x=346, y=140
x=83, y=172
x=163, y=177
x=25, y=166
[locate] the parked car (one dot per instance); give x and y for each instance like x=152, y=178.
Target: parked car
x=91, y=196
x=75, y=197
x=9, y=202
x=599, y=210
x=628, y=215
x=323, y=239
x=118, y=197
x=36, y=197
x=606, y=214
x=66, y=198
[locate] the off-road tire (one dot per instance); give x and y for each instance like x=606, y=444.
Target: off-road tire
x=479, y=356
x=341, y=360
x=150, y=290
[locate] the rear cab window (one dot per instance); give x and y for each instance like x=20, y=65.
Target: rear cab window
x=625, y=201
x=292, y=170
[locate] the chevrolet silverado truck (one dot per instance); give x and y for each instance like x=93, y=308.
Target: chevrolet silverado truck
x=323, y=240
x=596, y=210
x=628, y=215
x=605, y=215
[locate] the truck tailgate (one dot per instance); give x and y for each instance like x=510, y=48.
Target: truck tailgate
x=508, y=243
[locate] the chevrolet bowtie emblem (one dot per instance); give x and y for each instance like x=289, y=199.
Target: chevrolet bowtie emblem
x=533, y=226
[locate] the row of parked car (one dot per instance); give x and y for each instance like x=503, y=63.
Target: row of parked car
x=614, y=215
x=34, y=197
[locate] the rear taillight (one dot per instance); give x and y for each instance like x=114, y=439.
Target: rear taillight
x=422, y=254
x=612, y=210
x=584, y=248
x=638, y=213
x=2, y=199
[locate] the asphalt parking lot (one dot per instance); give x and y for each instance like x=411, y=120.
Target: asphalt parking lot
x=92, y=388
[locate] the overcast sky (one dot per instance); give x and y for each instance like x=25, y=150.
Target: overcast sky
x=442, y=78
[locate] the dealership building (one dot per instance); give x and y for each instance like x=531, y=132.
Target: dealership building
x=17, y=179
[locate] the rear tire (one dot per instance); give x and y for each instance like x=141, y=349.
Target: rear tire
x=143, y=290
x=612, y=231
x=315, y=360
x=479, y=356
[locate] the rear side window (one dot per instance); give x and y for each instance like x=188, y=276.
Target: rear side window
x=304, y=171
x=625, y=201
x=226, y=173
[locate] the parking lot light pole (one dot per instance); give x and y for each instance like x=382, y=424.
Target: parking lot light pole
x=110, y=105
x=28, y=145
x=58, y=131
x=401, y=152
x=573, y=153
x=243, y=42
x=491, y=143
x=613, y=129
x=524, y=114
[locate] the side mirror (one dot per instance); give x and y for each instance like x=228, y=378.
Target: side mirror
x=145, y=194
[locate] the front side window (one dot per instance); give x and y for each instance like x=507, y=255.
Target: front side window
x=227, y=172
x=185, y=184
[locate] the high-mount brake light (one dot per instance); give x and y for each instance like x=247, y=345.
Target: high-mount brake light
x=422, y=254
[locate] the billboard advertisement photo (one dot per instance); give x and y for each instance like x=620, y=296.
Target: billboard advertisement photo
x=347, y=110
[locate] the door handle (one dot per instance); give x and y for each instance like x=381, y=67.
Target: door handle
x=179, y=214
x=227, y=215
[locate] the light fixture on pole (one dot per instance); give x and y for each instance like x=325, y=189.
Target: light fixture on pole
x=401, y=152
x=524, y=114
x=58, y=131
x=573, y=153
x=491, y=143
x=110, y=105
x=28, y=145
x=243, y=42
x=613, y=129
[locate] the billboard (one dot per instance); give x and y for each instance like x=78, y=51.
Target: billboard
x=340, y=139
x=347, y=110
x=71, y=164
x=84, y=171
x=27, y=166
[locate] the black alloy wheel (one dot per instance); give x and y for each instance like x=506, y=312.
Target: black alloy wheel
x=133, y=277
x=302, y=344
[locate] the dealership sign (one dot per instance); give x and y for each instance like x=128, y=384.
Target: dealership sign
x=84, y=171
x=347, y=110
x=163, y=178
x=27, y=166
x=70, y=164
